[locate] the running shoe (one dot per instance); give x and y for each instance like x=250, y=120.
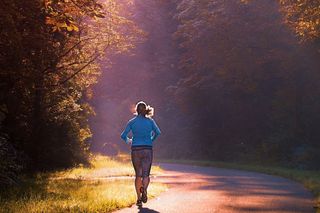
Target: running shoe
x=144, y=196
x=139, y=203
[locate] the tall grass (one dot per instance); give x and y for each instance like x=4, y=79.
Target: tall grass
x=77, y=190
x=102, y=167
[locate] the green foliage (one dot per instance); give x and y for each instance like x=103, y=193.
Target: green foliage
x=49, y=61
x=247, y=88
x=80, y=189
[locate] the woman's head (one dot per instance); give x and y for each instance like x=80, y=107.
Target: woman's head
x=143, y=109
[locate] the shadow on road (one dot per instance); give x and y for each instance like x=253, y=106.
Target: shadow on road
x=147, y=210
x=248, y=191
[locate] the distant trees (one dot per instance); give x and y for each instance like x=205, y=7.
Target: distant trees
x=248, y=86
x=230, y=80
x=49, y=54
x=304, y=17
x=142, y=75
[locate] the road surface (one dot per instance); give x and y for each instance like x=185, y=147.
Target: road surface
x=194, y=189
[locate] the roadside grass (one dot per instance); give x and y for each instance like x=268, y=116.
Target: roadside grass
x=77, y=190
x=309, y=179
x=102, y=167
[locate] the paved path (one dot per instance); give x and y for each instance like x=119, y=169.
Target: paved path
x=194, y=189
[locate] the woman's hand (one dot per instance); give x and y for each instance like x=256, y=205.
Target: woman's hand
x=129, y=141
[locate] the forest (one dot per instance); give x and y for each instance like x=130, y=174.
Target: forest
x=230, y=80
x=50, y=57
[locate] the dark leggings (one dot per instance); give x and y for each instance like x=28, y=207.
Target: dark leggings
x=142, y=160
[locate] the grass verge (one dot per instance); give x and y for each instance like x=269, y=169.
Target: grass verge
x=77, y=190
x=102, y=167
x=310, y=179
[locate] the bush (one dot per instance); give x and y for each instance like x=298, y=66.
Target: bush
x=9, y=166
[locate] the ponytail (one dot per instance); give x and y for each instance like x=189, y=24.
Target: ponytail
x=143, y=109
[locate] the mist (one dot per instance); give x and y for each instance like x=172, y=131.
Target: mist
x=234, y=83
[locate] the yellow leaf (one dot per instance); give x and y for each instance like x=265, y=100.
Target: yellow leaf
x=75, y=28
x=61, y=24
x=69, y=28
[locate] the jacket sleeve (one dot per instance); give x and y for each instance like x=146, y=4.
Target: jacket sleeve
x=125, y=132
x=156, y=130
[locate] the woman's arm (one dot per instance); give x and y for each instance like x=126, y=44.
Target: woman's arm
x=156, y=130
x=125, y=133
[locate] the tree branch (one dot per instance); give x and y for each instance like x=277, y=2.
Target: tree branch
x=46, y=70
x=78, y=71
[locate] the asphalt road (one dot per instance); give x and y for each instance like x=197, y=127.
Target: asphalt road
x=194, y=189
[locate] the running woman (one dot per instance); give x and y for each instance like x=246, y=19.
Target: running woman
x=144, y=131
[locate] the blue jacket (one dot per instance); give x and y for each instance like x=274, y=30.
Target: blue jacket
x=144, y=131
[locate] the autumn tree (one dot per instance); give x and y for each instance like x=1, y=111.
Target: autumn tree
x=50, y=56
x=304, y=18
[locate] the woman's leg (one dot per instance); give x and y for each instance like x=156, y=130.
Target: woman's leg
x=137, y=165
x=138, y=185
x=146, y=167
x=145, y=182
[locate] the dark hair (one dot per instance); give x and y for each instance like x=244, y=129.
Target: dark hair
x=143, y=109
